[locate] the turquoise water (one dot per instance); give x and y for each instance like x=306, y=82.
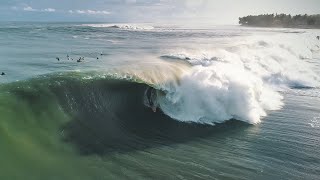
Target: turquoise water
x=257, y=116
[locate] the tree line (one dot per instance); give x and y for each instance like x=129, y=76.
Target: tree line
x=281, y=20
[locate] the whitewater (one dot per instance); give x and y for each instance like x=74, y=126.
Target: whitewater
x=221, y=91
x=241, y=81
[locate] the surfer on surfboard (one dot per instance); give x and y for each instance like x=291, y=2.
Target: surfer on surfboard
x=151, y=95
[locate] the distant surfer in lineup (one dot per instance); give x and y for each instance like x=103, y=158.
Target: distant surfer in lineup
x=80, y=59
x=318, y=37
x=151, y=96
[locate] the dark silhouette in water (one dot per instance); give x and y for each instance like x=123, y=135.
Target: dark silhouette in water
x=318, y=37
x=58, y=58
x=80, y=59
x=97, y=57
x=2, y=74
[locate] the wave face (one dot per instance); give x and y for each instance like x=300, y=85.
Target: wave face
x=65, y=122
x=111, y=111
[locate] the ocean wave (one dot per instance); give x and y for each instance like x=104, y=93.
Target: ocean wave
x=62, y=116
x=179, y=96
x=242, y=82
x=135, y=27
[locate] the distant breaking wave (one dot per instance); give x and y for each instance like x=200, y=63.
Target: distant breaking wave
x=122, y=26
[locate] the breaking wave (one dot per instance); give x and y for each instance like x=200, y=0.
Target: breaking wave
x=205, y=86
x=136, y=27
x=243, y=81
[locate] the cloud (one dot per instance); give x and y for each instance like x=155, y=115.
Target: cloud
x=29, y=8
x=49, y=10
x=89, y=12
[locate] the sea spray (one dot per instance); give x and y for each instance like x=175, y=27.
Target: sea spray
x=241, y=81
x=218, y=93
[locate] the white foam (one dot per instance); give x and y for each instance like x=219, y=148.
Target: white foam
x=136, y=27
x=241, y=81
x=218, y=93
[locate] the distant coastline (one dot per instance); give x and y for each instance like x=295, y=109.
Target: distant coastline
x=281, y=20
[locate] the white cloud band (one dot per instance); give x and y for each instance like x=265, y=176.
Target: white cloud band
x=31, y=9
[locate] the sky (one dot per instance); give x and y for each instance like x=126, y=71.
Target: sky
x=149, y=11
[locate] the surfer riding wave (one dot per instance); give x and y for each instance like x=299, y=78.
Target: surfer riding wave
x=151, y=99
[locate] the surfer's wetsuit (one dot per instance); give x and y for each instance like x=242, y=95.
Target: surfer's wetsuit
x=151, y=97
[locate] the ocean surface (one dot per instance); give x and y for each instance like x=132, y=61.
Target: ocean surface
x=231, y=102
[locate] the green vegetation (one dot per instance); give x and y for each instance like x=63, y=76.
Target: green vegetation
x=281, y=20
